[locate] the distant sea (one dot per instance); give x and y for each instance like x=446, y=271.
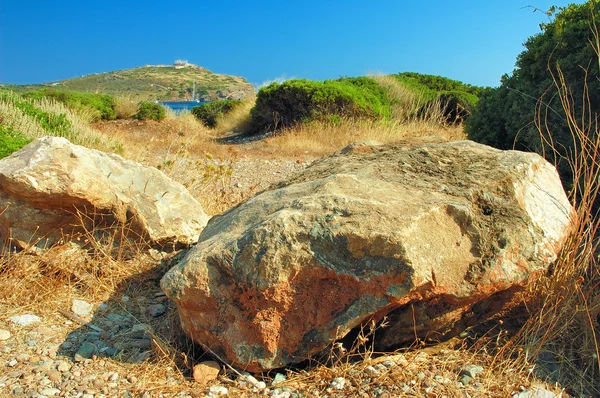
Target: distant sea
x=182, y=106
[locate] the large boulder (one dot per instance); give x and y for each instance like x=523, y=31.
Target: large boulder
x=52, y=190
x=370, y=232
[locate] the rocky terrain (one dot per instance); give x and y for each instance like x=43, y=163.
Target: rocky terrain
x=96, y=323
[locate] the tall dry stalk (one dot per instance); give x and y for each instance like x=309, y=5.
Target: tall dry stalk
x=564, y=326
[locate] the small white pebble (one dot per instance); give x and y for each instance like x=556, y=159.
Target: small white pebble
x=218, y=390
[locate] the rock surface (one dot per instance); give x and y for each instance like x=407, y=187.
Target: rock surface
x=448, y=231
x=46, y=184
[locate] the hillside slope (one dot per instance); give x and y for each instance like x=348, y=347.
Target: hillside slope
x=156, y=82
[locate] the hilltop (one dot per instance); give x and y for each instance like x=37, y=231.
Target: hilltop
x=156, y=82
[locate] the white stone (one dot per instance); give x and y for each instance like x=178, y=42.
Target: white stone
x=50, y=392
x=25, y=319
x=218, y=390
x=81, y=307
x=4, y=334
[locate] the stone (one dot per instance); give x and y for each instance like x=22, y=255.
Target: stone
x=470, y=370
x=205, y=372
x=156, y=310
x=279, y=378
x=53, y=375
x=86, y=351
x=81, y=307
x=218, y=390
x=25, y=319
x=338, y=383
x=435, y=237
x=4, y=334
x=535, y=393
x=50, y=392
x=47, y=183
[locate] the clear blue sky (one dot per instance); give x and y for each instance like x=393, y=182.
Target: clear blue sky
x=475, y=41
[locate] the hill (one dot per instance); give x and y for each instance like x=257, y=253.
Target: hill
x=156, y=82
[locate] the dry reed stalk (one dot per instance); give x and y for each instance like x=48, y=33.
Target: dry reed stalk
x=564, y=312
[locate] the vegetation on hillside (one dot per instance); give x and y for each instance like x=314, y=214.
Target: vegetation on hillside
x=150, y=83
x=98, y=106
x=23, y=119
x=280, y=106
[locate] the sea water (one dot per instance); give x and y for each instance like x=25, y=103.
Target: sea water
x=182, y=106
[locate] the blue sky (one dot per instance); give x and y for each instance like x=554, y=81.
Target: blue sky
x=475, y=41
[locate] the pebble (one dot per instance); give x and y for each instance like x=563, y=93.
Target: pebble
x=81, y=307
x=156, y=310
x=86, y=351
x=371, y=371
x=4, y=334
x=465, y=379
x=205, y=372
x=12, y=363
x=470, y=370
x=25, y=319
x=338, y=383
x=538, y=393
x=218, y=390
x=279, y=378
x=53, y=375
x=50, y=392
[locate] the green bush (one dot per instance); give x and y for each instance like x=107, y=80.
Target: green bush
x=102, y=106
x=10, y=141
x=210, y=112
x=150, y=110
x=433, y=84
x=505, y=116
x=283, y=105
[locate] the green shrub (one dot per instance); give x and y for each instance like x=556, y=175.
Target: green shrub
x=150, y=110
x=505, y=116
x=436, y=84
x=211, y=112
x=10, y=141
x=101, y=106
x=283, y=105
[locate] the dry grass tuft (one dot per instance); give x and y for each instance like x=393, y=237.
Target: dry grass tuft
x=238, y=120
x=126, y=108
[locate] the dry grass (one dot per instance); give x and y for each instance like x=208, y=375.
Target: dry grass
x=126, y=107
x=564, y=315
x=238, y=120
x=320, y=138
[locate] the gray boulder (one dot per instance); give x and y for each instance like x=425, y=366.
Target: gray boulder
x=426, y=235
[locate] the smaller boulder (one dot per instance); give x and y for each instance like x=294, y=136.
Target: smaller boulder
x=52, y=190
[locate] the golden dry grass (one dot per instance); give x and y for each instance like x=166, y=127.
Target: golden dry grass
x=126, y=107
x=320, y=138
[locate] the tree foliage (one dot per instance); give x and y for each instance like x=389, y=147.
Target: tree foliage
x=509, y=116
